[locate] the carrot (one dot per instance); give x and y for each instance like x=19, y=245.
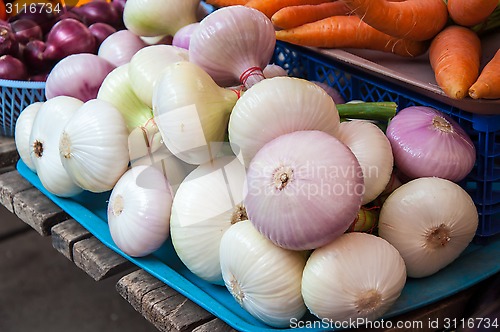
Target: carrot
x=455, y=55
x=269, y=7
x=293, y=16
x=349, y=32
x=488, y=83
x=470, y=12
x=226, y=3
x=411, y=19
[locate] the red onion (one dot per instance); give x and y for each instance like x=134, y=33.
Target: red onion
x=37, y=13
x=120, y=46
x=233, y=44
x=183, y=35
x=332, y=92
x=41, y=77
x=97, y=11
x=25, y=30
x=101, y=31
x=33, y=56
x=12, y=68
x=8, y=42
x=78, y=75
x=67, y=37
x=425, y=143
x=304, y=189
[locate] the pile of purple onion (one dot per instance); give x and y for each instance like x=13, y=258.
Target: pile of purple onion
x=35, y=39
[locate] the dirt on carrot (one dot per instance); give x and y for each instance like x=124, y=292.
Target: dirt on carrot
x=455, y=55
x=349, y=32
x=487, y=85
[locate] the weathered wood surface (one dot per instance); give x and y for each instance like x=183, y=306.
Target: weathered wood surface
x=97, y=260
x=8, y=152
x=164, y=307
x=11, y=183
x=66, y=234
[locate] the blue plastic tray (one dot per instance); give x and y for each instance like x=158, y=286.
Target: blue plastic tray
x=477, y=262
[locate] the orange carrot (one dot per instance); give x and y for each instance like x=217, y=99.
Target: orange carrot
x=226, y=3
x=293, y=16
x=269, y=7
x=411, y=19
x=470, y=12
x=488, y=83
x=349, y=32
x=455, y=55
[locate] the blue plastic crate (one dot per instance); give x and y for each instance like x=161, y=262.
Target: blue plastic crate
x=15, y=97
x=483, y=183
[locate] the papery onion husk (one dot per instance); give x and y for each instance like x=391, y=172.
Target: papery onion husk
x=24, y=124
x=139, y=211
x=356, y=276
x=430, y=221
x=263, y=278
x=425, y=142
x=233, y=45
x=304, y=189
x=207, y=203
x=90, y=69
x=277, y=106
x=151, y=18
x=147, y=65
x=192, y=112
x=373, y=151
x=48, y=124
x=117, y=90
x=93, y=146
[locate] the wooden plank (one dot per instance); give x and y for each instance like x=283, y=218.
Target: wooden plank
x=215, y=325
x=8, y=152
x=10, y=225
x=135, y=285
x=11, y=183
x=66, y=234
x=37, y=210
x=161, y=305
x=7, y=169
x=97, y=260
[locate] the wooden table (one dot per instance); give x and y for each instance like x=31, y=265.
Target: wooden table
x=164, y=307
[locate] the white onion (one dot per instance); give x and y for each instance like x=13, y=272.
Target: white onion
x=430, y=221
x=48, y=124
x=358, y=276
x=263, y=278
x=207, y=203
x=277, y=106
x=24, y=124
x=119, y=47
x=304, y=189
x=373, y=151
x=139, y=211
x=93, y=146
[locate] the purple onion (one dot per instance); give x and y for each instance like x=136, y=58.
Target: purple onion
x=8, y=42
x=332, y=92
x=69, y=36
x=183, y=35
x=25, y=30
x=98, y=11
x=41, y=77
x=78, y=75
x=34, y=58
x=37, y=13
x=101, y=31
x=427, y=143
x=12, y=68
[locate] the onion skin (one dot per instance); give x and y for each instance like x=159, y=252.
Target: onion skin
x=101, y=31
x=183, y=35
x=426, y=142
x=12, y=68
x=98, y=11
x=25, y=30
x=67, y=37
x=8, y=42
x=33, y=56
x=430, y=221
x=304, y=189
